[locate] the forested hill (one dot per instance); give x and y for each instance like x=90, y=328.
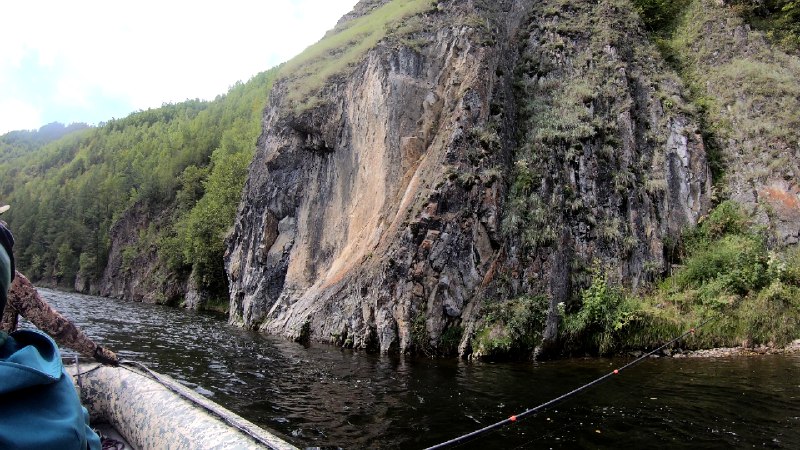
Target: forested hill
x=135, y=206
x=15, y=144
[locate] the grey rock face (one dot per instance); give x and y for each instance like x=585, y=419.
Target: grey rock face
x=611, y=165
x=141, y=279
x=501, y=159
x=754, y=111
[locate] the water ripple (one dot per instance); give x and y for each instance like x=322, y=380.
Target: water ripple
x=323, y=396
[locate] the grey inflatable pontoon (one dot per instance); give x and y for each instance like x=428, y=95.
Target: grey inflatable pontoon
x=153, y=411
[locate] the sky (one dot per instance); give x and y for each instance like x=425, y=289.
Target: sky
x=91, y=61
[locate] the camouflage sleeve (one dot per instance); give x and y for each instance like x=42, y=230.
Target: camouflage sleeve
x=9, y=321
x=24, y=298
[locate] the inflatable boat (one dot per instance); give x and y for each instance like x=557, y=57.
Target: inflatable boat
x=149, y=410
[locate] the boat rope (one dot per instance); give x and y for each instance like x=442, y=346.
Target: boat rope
x=514, y=418
x=75, y=360
x=78, y=374
x=207, y=405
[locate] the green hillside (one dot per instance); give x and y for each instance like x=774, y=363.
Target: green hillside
x=186, y=161
x=342, y=48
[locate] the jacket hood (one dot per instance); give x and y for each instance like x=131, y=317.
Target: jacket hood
x=28, y=358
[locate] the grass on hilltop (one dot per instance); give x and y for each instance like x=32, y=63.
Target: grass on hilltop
x=342, y=49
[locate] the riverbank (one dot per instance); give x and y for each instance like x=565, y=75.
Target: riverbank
x=792, y=348
x=724, y=352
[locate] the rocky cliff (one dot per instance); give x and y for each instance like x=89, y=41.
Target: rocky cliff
x=750, y=91
x=482, y=151
x=133, y=271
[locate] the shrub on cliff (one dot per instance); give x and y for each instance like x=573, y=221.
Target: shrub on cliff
x=727, y=257
x=728, y=270
x=660, y=15
x=606, y=312
x=779, y=19
x=510, y=328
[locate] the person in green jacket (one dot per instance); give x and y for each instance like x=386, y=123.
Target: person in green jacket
x=39, y=407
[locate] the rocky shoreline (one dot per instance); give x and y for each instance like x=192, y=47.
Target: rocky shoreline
x=792, y=348
x=722, y=352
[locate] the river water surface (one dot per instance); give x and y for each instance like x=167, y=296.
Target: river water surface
x=322, y=396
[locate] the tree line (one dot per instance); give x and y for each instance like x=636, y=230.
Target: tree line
x=187, y=161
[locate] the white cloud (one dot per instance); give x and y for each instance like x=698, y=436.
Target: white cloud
x=149, y=52
x=71, y=92
x=18, y=115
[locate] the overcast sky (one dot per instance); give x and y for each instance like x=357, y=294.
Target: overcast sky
x=90, y=61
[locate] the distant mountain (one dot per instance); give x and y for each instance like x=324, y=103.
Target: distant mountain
x=16, y=143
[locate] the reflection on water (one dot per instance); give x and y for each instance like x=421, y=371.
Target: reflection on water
x=323, y=396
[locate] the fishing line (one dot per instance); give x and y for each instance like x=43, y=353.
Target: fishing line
x=514, y=418
x=563, y=425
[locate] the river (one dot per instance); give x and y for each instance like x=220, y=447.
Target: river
x=322, y=396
